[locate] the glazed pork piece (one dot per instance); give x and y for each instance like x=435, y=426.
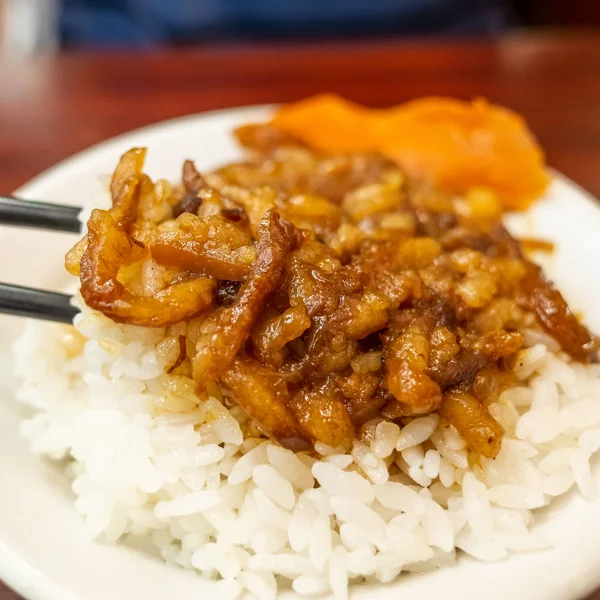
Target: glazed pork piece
x=321, y=291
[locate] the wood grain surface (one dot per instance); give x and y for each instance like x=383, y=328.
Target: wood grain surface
x=52, y=107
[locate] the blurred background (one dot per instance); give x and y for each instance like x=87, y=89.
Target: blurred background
x=30, y=26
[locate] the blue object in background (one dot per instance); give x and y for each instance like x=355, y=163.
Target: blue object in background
x=146, y=23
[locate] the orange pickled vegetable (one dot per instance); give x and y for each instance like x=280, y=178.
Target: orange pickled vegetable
x=330, y=123
x=458, y=144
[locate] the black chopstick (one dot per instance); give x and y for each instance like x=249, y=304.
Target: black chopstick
x=41, y=215
x=37, y=304
x=29, y=302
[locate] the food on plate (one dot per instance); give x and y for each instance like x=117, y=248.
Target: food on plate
x=361, y=293
x=317, y=365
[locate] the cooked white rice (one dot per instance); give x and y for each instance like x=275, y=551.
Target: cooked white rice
x=148, y=461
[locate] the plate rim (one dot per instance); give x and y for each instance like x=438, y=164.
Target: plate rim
x=150, y=128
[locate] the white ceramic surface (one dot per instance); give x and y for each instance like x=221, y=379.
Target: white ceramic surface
x=43, y=551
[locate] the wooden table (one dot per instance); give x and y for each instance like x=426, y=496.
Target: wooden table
x=53, y=107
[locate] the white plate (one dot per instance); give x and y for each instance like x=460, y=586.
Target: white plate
x=43, y=551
